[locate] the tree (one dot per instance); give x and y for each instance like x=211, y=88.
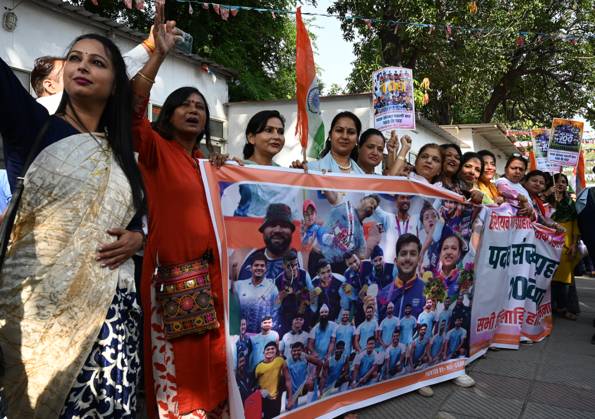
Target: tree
x=260, y=47
x=491, y=75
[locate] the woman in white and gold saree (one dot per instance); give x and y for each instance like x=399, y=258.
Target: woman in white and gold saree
x=68, y=323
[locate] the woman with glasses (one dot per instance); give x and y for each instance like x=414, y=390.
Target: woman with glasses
x=510, y=187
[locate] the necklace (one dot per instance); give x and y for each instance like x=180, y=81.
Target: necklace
x=344, y=168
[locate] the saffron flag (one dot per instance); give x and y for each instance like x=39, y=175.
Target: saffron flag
x=579, y=172
x=309, y=120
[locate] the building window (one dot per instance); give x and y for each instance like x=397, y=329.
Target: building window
x=216, y=128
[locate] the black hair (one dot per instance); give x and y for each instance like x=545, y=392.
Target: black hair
x=424, y=148
x=406, y=239
x=373, y=196
x=444, y=147
x=256, y=125
x=483, y=153
x=358, y=129
x=534, y=173
x=462, y=245
x=176, y=99
x=289, y=256
x=264, y=318
x=321, y=264
x=42, y=68
x=470, y=155
x=116, y=119
x=426, y=207
x=297, y=344
x=557, y=177
x=340, y=343
x=367, y=134
x=271, y=343
x=348, y=254
x=516, y=157
x=258, y=256
x=371, y=338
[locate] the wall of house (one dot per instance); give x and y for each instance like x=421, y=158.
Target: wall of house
x=239, y=113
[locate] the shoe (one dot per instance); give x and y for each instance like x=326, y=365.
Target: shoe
x=570, y=316
x=464, y=381
x=527, y=341
x=426, y=391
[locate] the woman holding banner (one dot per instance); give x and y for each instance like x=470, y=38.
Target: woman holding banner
x=564, y=296
x=486, y=180
x=510, y=187
x=185, y=361
x=340, y=149
x=370, y=150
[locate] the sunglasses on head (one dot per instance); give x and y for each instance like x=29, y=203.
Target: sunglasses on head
x=519, y=155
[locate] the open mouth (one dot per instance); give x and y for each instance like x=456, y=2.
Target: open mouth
x=192, y=120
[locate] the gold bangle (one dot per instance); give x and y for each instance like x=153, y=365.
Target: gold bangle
x=400, y=158
x=149, y=45
x=140, y=73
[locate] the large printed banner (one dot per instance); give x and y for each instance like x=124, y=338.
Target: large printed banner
x=393, y=101
x=342, y=291
x=518, y=260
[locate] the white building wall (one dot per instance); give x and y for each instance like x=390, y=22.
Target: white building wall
x=41, y=31
x=239, y=113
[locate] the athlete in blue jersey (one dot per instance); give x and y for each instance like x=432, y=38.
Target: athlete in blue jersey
x=353, y=276
x=437, y=344
x=294, y=294
x=321, y=339
x=407, y=326
x=365, y=365
x=394, y=355
x=335, y=373
x=446, y=312
x=384, y=333
x=329, y=289
x=428, y=316
x=365, y=330
x=260, y=340
x=407, y=288
x=345, y=332
x=301, y=374
x=455, y=339
x=419, y=348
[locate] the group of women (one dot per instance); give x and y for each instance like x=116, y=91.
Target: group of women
x=71, y=327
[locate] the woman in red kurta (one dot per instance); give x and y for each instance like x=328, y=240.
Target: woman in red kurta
x=185, y=375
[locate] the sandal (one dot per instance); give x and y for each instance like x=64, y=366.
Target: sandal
x=570, y=316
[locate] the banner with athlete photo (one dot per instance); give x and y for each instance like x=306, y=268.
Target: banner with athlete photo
x=342, y=291
x=393, y=102
x=565, y=141
x=519, y=258
x=541, y=142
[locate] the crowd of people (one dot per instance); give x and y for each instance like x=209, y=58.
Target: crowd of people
x=81, y=322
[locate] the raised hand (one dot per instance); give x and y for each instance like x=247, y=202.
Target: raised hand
x=165, y=34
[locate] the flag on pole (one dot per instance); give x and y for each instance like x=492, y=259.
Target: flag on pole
x=309, y=119
x=579, y=173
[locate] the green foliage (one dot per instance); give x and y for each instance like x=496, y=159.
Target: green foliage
x=260, y=48
x=482, y=76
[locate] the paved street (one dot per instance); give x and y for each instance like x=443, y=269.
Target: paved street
x=551, y=379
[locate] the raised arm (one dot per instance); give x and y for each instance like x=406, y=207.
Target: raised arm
x=21, y=117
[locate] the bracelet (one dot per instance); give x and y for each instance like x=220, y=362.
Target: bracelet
x=149, y=45
x=400, y=158
x=142, y=76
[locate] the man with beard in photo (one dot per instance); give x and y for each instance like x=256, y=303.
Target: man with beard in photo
x=277, y=231
x=375, y=270
x=321, y=341
x=330, y=289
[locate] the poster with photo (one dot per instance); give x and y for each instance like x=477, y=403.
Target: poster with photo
x=565, y=141
x=393, y=102
x=342, y=291
x=541, y=143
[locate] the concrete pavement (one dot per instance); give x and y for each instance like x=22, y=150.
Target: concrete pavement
x=551, y=379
